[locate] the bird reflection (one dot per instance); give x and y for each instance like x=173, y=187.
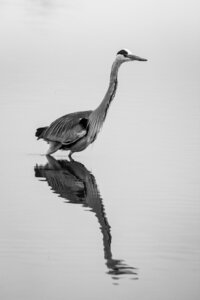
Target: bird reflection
x=73, y=182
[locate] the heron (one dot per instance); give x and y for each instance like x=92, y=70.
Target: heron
x=76, y=131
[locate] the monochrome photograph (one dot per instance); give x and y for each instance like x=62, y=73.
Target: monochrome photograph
x=100, y=150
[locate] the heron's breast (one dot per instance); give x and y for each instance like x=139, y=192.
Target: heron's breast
x=80, y=145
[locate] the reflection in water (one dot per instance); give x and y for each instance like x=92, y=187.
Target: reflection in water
x=72, y=181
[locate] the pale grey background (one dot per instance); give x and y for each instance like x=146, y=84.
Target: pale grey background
x=55, y=58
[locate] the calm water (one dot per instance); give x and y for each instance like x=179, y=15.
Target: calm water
x=122, y=220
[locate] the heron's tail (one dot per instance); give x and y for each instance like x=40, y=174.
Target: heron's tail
x=39, y=132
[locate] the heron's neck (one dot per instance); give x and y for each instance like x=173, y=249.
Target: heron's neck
x=110, y=94
x=98, y=115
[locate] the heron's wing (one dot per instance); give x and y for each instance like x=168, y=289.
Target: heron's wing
x=68, y=128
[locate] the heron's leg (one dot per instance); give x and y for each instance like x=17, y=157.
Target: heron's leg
x=70, y=155
x=53, y=147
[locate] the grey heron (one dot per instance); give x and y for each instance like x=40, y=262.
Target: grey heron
x=76, y=131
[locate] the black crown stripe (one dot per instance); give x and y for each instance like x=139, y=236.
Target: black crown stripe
x=123, y=52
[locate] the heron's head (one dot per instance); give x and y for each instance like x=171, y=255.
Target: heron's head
x=126, y=55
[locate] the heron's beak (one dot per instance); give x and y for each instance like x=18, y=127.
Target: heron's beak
x=134, y=57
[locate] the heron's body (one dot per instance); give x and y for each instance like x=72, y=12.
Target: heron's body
x=76, y=131
x=67, y=133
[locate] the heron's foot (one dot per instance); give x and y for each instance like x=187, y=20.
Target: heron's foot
x=53, y=147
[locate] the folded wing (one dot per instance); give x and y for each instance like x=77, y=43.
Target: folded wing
x=67, y=129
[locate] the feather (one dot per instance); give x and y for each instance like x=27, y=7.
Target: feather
x=68, y=128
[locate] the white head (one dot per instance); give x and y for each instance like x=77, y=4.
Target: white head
x=126, y=55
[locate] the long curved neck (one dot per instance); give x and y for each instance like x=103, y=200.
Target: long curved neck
x=110, y=94
x=98, y=116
